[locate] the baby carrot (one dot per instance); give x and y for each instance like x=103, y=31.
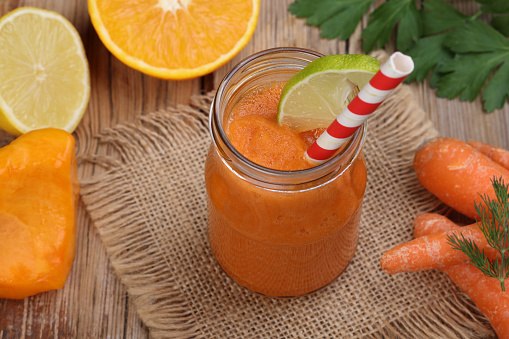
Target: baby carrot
x=497, y=154
x=486, y=294
x=457, y=173
x=429, y=252
x=431, y=223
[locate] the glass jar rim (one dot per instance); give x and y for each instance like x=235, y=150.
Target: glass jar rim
x=348, y=153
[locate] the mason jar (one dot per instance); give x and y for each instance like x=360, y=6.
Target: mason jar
x=279, y=233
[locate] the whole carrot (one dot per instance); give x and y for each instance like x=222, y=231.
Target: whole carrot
x=429, y=252
x=497, y=154
x=457, y=173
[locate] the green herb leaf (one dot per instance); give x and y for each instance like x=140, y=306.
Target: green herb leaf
x=440, y=16
x=495, y=95
x=336, y=18
x=429, y=52
x=477, y=257
x=460, y=51
x=466, y=75
x=494, y=223
x=385, y=17
x=494, y=6
x=476, y=37
x=409, y=28
x=501, y=24
x=426, y=54
x=479, y=49
x=447, y=57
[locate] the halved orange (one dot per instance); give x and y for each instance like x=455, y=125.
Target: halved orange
x=174, y=39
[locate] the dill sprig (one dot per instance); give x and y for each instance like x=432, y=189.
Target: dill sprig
x=494, y=223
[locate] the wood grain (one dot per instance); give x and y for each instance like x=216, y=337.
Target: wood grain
x=93, y=302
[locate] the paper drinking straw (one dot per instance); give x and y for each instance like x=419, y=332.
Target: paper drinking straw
x=390, y=75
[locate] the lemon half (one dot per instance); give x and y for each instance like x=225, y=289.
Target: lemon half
x=44, y=75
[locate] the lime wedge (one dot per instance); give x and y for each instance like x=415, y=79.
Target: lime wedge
x=315, y=96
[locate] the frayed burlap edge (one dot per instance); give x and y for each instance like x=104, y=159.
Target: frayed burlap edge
x=156, y=294
x=160, y=306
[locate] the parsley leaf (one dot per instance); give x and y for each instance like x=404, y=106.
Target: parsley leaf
x=426, y=54
x=479, y=49
x=385, y=17
x=476, y=37
x=494, y=95
x=429, y=51
x=466, y=75
x=494, y=6
x=440, y=16
x=436, y=76
x=460, y=51
x=501, y=24
x=336, y=18
x=409, y=28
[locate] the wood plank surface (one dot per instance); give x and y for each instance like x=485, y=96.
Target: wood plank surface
x=93, y=302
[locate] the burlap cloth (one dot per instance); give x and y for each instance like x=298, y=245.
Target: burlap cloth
x=150, y=211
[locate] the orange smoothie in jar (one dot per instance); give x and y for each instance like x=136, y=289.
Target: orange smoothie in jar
x=277, y=226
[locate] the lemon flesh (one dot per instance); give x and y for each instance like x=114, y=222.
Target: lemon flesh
x=316, y=95
x=44, y=75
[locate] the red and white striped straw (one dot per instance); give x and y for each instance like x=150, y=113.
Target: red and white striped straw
x=390, y=75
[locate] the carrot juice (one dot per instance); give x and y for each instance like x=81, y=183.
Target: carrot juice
x=277, y=226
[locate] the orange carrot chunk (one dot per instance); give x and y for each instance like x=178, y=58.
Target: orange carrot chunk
x=497, y=154
x=457, y=173
x=429, y=252
x=431, y=223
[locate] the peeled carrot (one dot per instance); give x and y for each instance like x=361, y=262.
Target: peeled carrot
x=497, y=154
x=431, y=223
x=429, y=252
x=457, y=173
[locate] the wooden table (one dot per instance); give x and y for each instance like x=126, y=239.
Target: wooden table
x=93, y=302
